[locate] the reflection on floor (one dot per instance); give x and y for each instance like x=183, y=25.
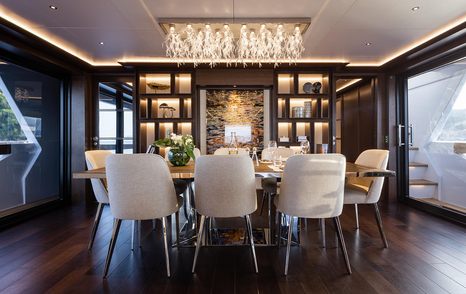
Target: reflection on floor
x=446, y=205
x=49, y=253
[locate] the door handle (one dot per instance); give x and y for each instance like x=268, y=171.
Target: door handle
x=400, y=135
x=410, y=134
x=95, y=141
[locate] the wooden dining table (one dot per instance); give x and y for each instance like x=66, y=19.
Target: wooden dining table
x=262, y=169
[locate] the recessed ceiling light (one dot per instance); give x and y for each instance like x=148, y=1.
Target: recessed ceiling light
x=101, y=43
x=53, y=7
x=368, y=44
x=415, y=8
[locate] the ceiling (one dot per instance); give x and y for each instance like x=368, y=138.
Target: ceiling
x=339, y=30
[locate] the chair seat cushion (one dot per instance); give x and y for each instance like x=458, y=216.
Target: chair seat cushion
x=355, y=194
x=180, y=186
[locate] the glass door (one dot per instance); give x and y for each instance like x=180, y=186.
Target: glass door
x=433, y=137
x=114, y=130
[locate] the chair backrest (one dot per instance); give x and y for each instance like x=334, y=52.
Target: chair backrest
x=285, y=153
x=225, y=151
x=140, y=187
x=225, y=186
x=313, y=186
x=374, y=158
x=96, y=159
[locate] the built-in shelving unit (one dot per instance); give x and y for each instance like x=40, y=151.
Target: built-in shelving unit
x=301, y=108
x=166, y=103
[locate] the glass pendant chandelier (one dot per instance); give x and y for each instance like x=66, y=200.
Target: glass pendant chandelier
x=254, y=42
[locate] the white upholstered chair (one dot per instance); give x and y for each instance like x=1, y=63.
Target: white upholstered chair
x=312, y=187
x=225, y=151
x=269, y=185
x=225, y=187
x=362, y=190
x=96, y=159
x=140, y=187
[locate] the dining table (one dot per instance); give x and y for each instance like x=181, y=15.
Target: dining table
x=263, y=169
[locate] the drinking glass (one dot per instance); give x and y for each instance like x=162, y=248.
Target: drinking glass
x=305, y=147
x=272, y=144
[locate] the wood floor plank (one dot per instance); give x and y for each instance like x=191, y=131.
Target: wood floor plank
x=49, y=254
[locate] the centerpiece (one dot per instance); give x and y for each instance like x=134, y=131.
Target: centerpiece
x=181, y=148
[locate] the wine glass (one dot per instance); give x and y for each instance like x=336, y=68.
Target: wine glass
x=305, y=147
x=272, y=144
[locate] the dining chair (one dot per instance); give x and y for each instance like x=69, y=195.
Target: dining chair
x=270, y=185
x=225, y=187
x=96, y=159
x=140, y=187
x=225, y=151
x=365, y=190
x=312, y=187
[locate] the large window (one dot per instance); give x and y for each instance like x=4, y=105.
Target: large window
x=30, y=107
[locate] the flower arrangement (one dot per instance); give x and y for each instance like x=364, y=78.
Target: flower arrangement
x=181, y=148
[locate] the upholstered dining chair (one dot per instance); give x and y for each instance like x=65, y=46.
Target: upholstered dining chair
x=225, y=187
x=312, y=187
x=362, y=190
x=96, y=159
x=270, y=185
x=225, y=151
x=140, y=187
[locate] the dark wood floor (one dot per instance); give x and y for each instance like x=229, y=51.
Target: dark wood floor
x=48, y=253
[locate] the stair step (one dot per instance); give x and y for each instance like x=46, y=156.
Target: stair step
x=418, y=164
x=414, y=148
x=419, y=182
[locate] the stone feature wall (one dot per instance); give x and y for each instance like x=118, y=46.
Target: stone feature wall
x=234, y=107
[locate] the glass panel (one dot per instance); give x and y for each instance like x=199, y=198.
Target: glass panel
x=128, y=146
x=437, y=155
x=107, y=124
x=108, y=144
x=128, y=124
x=30, y=127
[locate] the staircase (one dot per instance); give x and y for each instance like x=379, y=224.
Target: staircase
x=420, y=186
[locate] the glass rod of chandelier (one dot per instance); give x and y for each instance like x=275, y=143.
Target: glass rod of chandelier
x=208, y=46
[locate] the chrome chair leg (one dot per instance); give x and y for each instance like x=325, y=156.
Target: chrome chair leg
x=97, y=218
x=379, y=224
x=264, y=195
x=357, y=215
x=251, y=240
x=136, y=234
x=342, y=243
x=322, y=232
x=165, y=243
x=198, y=242
x=111, y=247
x=177, y=227
x=288, y=245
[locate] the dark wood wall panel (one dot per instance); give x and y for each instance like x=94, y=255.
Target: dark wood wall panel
x=359, y=123
x=350, y=125
x=230, y=77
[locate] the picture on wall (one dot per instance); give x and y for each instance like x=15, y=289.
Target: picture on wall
x=240, y=111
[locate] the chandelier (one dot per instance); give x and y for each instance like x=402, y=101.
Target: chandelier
x=233, y=43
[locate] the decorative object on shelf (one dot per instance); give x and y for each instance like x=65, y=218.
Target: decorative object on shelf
x=167, y=111
x=308, y=109
x=301, y=138
x=234, y=41
x=181, y=148
x=158, y=86
x=316, y=87
x=297, y=112
x=307, y=88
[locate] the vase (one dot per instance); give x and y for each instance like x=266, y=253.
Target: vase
x=178, y=157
